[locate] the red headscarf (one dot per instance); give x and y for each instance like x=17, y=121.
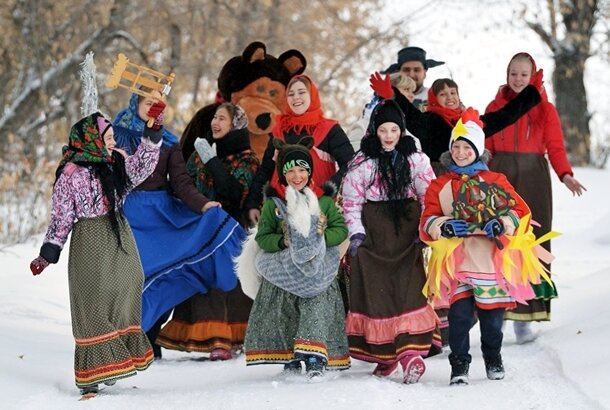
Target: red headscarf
x=450, y=115
x=506, y=92
x=307, y=121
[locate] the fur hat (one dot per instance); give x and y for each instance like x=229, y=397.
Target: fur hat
x=388, y=112
x=469, y=128
x=293, y=155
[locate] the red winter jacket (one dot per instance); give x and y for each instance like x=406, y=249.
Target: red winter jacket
x=539, y=132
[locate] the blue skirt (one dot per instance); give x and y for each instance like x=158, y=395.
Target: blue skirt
x=183, y=253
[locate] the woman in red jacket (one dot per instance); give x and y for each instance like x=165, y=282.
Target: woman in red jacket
x=519, y=152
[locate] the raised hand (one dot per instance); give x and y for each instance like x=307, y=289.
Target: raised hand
x=156, y=113
x=536, y=80
x=204, y=149
x=381, y=86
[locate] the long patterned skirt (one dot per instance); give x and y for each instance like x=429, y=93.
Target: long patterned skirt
x=202, y=323
x=529, y=174
x=284, y=327
x=105, y=280
x=389, y=317
x=183, y=253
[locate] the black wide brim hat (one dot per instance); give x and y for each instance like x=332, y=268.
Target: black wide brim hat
x=415, y=54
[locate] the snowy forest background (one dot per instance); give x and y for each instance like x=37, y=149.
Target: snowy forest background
x=43, y=41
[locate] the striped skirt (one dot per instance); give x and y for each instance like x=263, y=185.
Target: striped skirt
x=284, y=327
x=389, y=317
x=105, y=282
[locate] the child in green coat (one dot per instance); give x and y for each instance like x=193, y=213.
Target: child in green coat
x=298, y=313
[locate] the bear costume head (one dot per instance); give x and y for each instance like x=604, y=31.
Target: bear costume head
x=256, y=81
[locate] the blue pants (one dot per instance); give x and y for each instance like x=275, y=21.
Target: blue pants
x=461, y=319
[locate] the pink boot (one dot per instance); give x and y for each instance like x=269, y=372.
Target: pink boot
x=413, y=369
x=220, y=354
x=385, y=370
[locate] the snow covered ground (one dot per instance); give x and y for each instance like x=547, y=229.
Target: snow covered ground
x=568, y=367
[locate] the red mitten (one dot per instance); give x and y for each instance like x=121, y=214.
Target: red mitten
x=38, y=265
x=536, y=80
x=381, y=86
x=155, y=112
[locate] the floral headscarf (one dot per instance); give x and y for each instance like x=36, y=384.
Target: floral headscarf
x=86, y=142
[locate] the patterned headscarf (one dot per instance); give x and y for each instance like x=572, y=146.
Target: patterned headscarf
x=86, y=143
x=129, y=119
x=86, y=147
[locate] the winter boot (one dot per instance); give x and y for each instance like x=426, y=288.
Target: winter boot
x=315, y=367
x=494, y=367
x=385, y=370
x=293, y=367
x=92, y=390
x=459, y=372
x=220, y=354
x=413, y=368
x=523, y=332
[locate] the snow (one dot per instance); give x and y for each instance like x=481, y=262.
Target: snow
x=567, y=367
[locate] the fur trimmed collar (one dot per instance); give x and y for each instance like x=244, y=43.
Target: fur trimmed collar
x=328, y=189
x=446, y=160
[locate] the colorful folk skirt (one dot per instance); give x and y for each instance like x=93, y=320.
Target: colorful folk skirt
x=284, y=327
x=183, y=253
x=529, y=174
x=105, y=280
x=202, y=323
x=389, y=317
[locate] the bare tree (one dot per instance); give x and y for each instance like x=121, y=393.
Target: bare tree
x=43, y=41
x=568, y=33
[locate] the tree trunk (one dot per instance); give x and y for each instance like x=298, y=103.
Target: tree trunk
x=571, y=102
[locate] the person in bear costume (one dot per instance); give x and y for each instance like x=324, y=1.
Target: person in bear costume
x=256, y=81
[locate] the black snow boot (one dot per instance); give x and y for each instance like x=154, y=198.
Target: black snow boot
x=89, y=389
x=459, y=372
x=494, y=367
x=314, y=366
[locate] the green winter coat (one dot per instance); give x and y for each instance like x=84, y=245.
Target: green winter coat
x=270, y=235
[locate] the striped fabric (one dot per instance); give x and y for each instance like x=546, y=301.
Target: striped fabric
x=485, y=289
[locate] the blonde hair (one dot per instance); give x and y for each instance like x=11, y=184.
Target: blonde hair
x=400, y=80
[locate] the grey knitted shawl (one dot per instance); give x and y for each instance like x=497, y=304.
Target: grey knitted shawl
x=307, y=267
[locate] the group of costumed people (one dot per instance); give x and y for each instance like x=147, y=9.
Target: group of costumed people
x=155, y=232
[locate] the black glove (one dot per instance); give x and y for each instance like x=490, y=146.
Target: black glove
x=453, y=228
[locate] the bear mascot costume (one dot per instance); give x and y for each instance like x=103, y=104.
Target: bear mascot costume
x=256, y=81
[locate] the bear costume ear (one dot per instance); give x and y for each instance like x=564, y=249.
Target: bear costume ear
x=294, y=61
x=306, y=141
x=255, y=51
x=278, y=144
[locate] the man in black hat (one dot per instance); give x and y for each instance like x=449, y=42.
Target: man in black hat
x=412, y=62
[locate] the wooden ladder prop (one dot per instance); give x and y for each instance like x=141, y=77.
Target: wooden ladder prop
x=132, y=77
